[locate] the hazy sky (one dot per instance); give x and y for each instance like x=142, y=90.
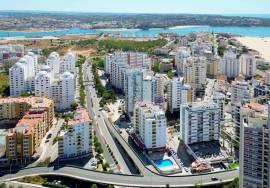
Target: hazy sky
x=143, y=6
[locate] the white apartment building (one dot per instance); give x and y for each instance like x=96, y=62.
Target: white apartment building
x=200, y=122
x=152, y=87
x=181, y=58
x=43, y=83
x=115, y=65
x=68, y=63
x=239, y=91
x=195, y=72
x=150, y=126
x=76, y=140
x=179, y=93
x=54, y=61
x=22, y=75
x=219, y=99
x=64, y=91
x=248, y=65
x=230, y=65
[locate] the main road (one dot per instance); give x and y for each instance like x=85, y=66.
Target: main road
x=147, y=179
x=93, y=108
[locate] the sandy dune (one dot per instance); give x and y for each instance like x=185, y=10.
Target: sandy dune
x=260, y=44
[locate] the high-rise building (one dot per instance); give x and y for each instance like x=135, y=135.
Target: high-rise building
x=22, y=75
x=254, y=146
x=43, y=83
x=200, y=122
x=133, y=88
x=230, y=65
x=53, y=61
x=150, y=126
x=63, y=91
x=248, y=65
x=179, y=93
x=195, y=72
x=239, y=91
x=76, y=140
x=181, y=58
x=219, y=98
x=117, y=63
x=68, y=63
x=213, y=67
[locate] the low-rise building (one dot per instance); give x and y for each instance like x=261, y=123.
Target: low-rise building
x=35, y=117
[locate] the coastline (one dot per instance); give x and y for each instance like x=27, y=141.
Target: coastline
x=260, y=44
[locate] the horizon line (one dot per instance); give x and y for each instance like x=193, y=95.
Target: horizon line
x=106, y=12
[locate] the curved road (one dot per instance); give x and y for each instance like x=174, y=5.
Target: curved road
x=123, y=180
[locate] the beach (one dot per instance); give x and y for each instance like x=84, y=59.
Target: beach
x=260, y=44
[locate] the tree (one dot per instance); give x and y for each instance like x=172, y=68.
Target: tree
x=25, y=94
x=155, y=67
x=221, y=50
x=94, y=186
x=74, y=106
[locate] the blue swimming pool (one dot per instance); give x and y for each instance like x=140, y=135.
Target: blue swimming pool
x=163, y=163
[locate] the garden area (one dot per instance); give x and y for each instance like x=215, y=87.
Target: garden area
x=107, y=95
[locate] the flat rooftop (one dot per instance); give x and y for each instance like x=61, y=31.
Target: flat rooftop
x=207, y=149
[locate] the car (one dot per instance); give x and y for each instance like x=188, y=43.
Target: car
x=98, y=115
x=213, y=178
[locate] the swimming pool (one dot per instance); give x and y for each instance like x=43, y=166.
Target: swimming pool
x=163, y=163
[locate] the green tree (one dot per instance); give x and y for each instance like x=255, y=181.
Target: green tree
x=25, y=94
x=74, y=106
x=94, y=186
x=155, y=67
x=221, y=50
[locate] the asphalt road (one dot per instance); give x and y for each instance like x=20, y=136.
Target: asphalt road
x=93, y=108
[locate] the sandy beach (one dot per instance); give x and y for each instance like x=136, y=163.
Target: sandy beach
x=260, y=44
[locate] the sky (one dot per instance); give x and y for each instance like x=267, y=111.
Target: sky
x=143, y=6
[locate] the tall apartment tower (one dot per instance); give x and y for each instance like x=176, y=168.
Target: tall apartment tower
x=248, y=65
x=200, y=122
x=254, y=146
x=230, y=65
x=195, y=72
x=150, y=126
x=179, y=93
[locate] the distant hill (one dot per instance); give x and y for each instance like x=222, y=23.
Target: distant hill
x=54, y=20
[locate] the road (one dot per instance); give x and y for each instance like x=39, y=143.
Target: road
x=123, y=180
x=48, y=148
x=93, y=108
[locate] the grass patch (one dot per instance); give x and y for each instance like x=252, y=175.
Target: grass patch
x=33, y=180
x=233, y=165
x=129, y=45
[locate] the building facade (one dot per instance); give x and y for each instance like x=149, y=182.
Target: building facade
x=200, y=122
x=76, y=140
x=150, y=126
